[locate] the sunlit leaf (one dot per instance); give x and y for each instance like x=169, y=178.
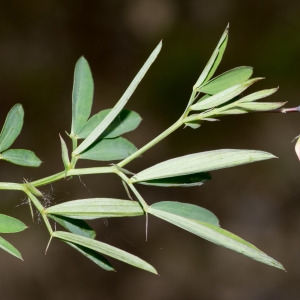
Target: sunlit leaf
x=12, y=127
x=216, y=235
x=76, y=226
x=226, y=80
x=223, y=96
x=180, y=181
x=214, y=60
x=94, y=256
x=186, y=210
x=93, y=208
x=200, y=162
x=94, y=135
x=10, y=225
x=8, y=247
x=125, y=121
x=82, y=96
x=109, y=149
x=105, y=249
x=21, y=157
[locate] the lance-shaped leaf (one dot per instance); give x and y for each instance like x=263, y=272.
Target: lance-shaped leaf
x=226, y=80
x=233, y=111
x=180, y=181
x=223, y=96
x=186, y=210
x=74, y=225
x=200, y=162
x=94, y=208
x=109, y=149
x=105, y=249
x=94, y=256
x=257, y=95
x=214, y=60
x=10, y=225
x=216, y=235
x=261, y=106
x=94, y=135
x=82, y=95
x=125, y=121
x=8, y=247
x=12, y=127
x=21, y=157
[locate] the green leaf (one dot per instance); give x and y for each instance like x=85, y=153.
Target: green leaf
x=105, y=249
x=94, y=256
x=12, y=127
x=10, y=225
x=94, y=208
x=21, y=157
x=223, y=96
x=258, y=95
x=74, y=225
x=109, y=149
x=182, y=181
x=94, y=135
x=64, y=153
x=260, y=106
x=125, y=121
x=226, y=80
x=214, y=60
x=8, y=247
x=186, y=210
x=216, y=235
x=200, y=162
x=232, y=111
x=82, y=96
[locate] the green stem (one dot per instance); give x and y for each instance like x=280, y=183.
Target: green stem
x=150, y=144
x=40, y=209
x=163, y=135
x=72, y=172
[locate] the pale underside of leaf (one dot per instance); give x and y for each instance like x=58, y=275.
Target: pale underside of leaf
x=218, y=236
x=223, y=96
x=201, y=162
x=94, y=208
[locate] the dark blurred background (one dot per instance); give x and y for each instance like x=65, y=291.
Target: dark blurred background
x=40, y=42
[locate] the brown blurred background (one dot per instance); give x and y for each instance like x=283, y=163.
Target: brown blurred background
x=40, y=42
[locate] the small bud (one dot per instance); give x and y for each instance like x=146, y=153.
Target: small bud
x=297, y=146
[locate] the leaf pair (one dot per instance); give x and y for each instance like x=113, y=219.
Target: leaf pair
x=10, y=131
x=10, y=225
x=92, y=147
x=71, y=214
x=203, y=223
x=108, y=145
